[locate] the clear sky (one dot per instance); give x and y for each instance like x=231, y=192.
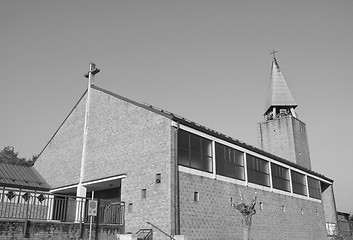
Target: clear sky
x=208, y=61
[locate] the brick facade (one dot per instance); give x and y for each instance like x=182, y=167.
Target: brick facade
x=212, y=217
x=285, y=137
x=10, y=230
x=125, y=138
x=60, y=161
x=122, y=139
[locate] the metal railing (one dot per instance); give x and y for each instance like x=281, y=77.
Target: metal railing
x=168, y=235
x=27, y=204
x=145, y=234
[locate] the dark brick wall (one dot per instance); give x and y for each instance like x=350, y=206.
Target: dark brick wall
x=212, y=217
x=13, y=230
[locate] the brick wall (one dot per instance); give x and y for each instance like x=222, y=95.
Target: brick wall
x=10, y=230
x=328, y=200
x=285, y=137
x=301, y=143
x=122, y=139
x=212, y=217
x=59, y=163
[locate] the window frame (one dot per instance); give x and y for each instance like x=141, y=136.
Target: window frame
x=228, y=160
x=277, y=179
x=255, y=170
x=314, y=191
x=195, y=148
x=296, y=184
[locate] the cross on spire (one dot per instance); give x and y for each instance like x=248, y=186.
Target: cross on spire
x=273, y=53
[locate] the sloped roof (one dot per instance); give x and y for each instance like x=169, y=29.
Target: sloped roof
x=194, y=125
x=20, y=176
x=279, y=93
x=211, y=132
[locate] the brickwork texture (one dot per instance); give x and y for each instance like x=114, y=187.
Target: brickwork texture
x=14, y=230
x=122, y=139
x=213, y=217
x=285, y=137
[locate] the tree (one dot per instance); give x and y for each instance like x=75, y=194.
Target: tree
x=247, y=211
x=8, y=155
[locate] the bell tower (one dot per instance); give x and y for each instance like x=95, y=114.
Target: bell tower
x=282, y=133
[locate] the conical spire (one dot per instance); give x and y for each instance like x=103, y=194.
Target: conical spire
x=279, y=96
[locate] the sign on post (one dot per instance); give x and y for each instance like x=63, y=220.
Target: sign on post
x=92, y=207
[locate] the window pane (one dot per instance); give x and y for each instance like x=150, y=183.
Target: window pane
x=195, y=143
x=220, y=165
x=183, y=157
x=206, y=147
x=239, y=157
x=280, y=177
x=195, y=159
x=219, y=152
x=266, y=179
x=298, y=182
x=239, y=173
x=314, y=188
x=229, y=162
x=251, y=176
x=230, y=170
x=194, y=151
x=207, y=164
x=258, y=170
x=183, y=140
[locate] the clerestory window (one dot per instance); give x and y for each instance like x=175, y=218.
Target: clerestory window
x=280, y=177
x=298, y=183
x=258, y=170
x=229, y=162
x=194, y=151
x=314, y=188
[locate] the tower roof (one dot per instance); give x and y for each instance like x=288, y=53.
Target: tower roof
x=279, y=93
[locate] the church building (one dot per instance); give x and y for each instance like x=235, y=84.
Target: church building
x=183, y=177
